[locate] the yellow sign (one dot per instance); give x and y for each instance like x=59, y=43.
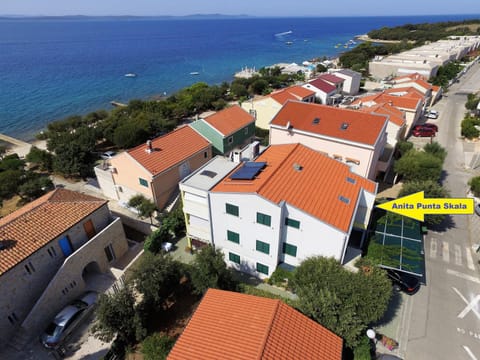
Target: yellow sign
x=415, y=206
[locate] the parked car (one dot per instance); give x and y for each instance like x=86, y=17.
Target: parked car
x=426, y=126
x=68, y=320
x=407, y=283
x=477, y=209
x=423, y=132
x=107, y=155
x=432, y=114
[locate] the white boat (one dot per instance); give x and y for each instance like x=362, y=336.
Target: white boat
x=194, y=73
x=131, y=75
x=284, y=33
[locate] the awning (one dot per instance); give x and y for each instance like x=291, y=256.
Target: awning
x=396, y=242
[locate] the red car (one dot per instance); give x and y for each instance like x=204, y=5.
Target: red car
x=427, y=126
x=423, y=132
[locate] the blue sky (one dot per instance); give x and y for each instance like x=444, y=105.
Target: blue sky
x=249, y=7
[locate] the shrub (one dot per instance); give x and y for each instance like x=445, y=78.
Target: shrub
x=157, y=347
x=475, y=185
x=280, y=277
x=153, y=242
x=468, y=127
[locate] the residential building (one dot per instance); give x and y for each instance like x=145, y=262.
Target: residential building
x=264, y=108
x=194, y=192
x=352, y=79
x=325, y=90
x=430, y=92
x=227, y=129
x=291, y=203
x=425, y=60
x=235, y=326
x=48, y=250
x=412, y=105
x=155, y=168
x=356, y=138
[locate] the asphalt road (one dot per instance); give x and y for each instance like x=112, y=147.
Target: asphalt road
x=442, y=320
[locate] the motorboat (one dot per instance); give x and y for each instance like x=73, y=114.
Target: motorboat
x=131, y=75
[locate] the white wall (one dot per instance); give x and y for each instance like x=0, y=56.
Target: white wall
x=248, y=228
x=312, y=239
x=195, y=206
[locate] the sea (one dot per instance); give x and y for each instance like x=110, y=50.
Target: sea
x=51, y=68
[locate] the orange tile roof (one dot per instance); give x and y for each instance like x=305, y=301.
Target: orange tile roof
x=291, y=93
x=362, y=128
x=318, y=185
x=409, y=91
x=413, y=76
x=403, y=102
x=435, y=88
x=41, y=221
x=169, y=150
x=395, y=116
x=229, y=120
x=235, y=326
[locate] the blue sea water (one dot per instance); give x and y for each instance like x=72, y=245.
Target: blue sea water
x=53, y=68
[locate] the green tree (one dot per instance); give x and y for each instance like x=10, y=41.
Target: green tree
x=436, y=150
x=432, y=190
x=157, y=347
x=11, y=162
x=259, y=86
x=174, y=221
x=472, y=102
x=145, y=207
x=116, y=316
x=42, y=158
x=404, y=146
x=474, y=184
x=469, y=127
x=9, y=181
x=34, y=187
x=156, y=277
x=153, y=242
x=419, y=165
x=210, y=271
x=340, y=300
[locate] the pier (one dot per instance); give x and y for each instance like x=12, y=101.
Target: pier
x=118, y=104
x=22, y=148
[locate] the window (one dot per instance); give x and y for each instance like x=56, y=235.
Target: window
x=231, y=209
x=12, y=318
x=230, y=139
x=292, y=223
x=52, y=252
x=264, y=219
x=205, y=154
x=29, y=268
x=233, y=237
x=246, y=131
x=262, y=268
x=234, y=258
x=263, y=247
x=289, y=249
x=109, y=253
x=143, y=182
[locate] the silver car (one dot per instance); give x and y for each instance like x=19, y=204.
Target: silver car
x=67, y=320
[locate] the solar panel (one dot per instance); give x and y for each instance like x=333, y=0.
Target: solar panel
x=248, y=171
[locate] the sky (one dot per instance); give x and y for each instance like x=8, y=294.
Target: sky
x=239, y=7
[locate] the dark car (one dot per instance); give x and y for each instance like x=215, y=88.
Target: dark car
x=477, y=209
x=407, y=283
x=423, y=132
x=426, y=126
x=68, y=320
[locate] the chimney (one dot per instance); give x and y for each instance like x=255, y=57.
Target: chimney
x=149, y=146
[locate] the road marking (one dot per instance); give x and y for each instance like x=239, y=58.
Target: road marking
x=463, y=276
x=433, y=248
x=470, y=305
x=469, y=352
x=445, y=253
x=458, y=255
x=470, y=260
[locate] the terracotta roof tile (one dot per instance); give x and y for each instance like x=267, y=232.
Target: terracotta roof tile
x=234, y=326
x=395, y=116
x=318, y=185
x=291, y=93
x=332, y=78
x=322, y=85
x=409, y=92
x=230, y=120
x=361, y=127
x=36, y=224
x=169, y=149
x=403, y=102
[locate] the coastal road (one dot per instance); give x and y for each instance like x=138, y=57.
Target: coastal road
x=444, y=316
